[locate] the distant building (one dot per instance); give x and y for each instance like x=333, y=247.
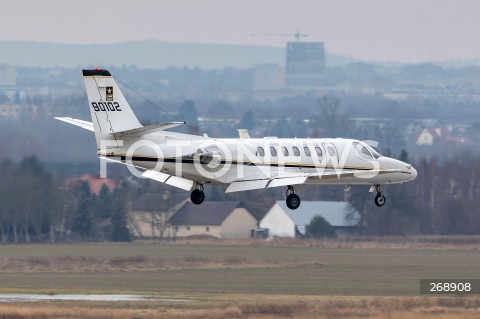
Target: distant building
x=431, y=135
x=149, y=214
x=305, y=64
x=443, y=135
x=15, y=112
x=280, y=221
x=95, y=183
x=8, y=75
x=216, y=219
x=269, y=76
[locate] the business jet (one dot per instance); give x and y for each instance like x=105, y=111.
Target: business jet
x=239, y=164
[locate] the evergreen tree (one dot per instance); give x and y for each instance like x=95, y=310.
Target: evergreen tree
x=102, y=203
x=319, y=227
x=34, y=196
x=118, y=211
x=188, y=113
x=83, y=220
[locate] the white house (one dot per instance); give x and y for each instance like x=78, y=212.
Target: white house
x=284, y=222
x=216, y=219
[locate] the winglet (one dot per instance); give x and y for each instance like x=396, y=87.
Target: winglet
x=243, y=133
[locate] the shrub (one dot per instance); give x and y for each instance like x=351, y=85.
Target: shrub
x=319, y=227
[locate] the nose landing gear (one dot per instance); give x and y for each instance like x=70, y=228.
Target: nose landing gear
x=379, y=199
x=293, y=200
x=197, y=196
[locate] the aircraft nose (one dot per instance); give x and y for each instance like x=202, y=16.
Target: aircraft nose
x=413, y=173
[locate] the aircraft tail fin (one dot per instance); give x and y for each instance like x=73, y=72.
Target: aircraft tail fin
x=110, y=111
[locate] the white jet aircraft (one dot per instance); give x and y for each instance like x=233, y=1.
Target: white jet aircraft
x=190, y=161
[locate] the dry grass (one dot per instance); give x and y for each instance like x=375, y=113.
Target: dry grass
x=248, y=279
x=145, y=261
x=290, y=267
x=395, y=242
x=348, y=308
x=65, y=264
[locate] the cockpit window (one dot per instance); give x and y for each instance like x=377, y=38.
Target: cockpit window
x=362, y=151
x=374, y=152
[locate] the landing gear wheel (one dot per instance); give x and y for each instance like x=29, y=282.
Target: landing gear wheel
x=379, y=200
x=293, y=201
x=197, y=196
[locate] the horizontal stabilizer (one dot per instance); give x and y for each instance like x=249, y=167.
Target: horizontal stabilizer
x=149, y=129
x=83, y=124
x=175, y=181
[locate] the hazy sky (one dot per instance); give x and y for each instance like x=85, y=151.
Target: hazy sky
x=401, y=30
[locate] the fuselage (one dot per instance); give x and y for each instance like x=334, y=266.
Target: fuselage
x=223, y=161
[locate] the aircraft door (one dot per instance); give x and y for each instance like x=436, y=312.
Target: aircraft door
x=331, y=154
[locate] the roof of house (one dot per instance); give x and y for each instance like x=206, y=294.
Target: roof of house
x=209, y=213
x=157, y=202
x=94, y=182
x=335, y=213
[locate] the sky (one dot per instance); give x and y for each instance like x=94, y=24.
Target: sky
x=375, y=30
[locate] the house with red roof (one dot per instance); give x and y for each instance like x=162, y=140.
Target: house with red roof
x=94, y=182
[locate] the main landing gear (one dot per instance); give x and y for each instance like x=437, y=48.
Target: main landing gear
x=293, y=200
x=197, y=196
x=379, y=199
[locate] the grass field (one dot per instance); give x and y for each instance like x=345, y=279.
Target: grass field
x=218, y=280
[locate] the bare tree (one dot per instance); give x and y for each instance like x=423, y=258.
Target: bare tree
x=332, y=120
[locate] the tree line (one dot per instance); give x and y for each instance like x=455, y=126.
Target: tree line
x=35, y=207
x=443, y=200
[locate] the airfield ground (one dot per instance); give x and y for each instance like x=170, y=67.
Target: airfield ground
x=251, y=279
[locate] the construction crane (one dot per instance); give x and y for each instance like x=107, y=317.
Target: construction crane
x=297, y=35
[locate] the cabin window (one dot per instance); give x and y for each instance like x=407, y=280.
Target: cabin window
x=319, y=151
x=273, y=151
x=261, y=151
x=188, y=227
x=330, y=151
x=307, y=151
x=296, y=151
x=207, y=228
x=284, y=151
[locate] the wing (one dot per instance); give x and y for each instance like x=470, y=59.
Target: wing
x=179, y=182
x=83, y=124
x=297, y=179
x=265, y=183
